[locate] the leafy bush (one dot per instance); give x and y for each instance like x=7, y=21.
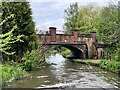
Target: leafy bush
x=32, y=60
x=103, y=64
x=10, y=72
x=113, y=66
x=66, y=52
x=28, y=60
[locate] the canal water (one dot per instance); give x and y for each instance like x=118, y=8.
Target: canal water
x=66, y=74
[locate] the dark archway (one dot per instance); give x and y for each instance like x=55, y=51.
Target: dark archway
x=77, y=52
x=86, y=51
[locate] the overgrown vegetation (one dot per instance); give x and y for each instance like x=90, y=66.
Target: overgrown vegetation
x=32, y=60
x=112, y=66
x=103, y=20
x=18, y=30
x=65, y=52
x=18, y=42
x=10, y=72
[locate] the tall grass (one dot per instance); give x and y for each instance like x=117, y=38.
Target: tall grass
x=32, y=60
x=113, y=66
x=11, y=72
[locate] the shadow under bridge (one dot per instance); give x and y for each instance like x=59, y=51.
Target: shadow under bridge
x=77, y=52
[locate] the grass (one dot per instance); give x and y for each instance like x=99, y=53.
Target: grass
x=11, y=72
x=113, y=66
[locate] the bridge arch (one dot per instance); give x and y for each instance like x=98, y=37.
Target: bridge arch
x=78, y=53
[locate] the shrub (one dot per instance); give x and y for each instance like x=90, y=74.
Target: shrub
x=66, y=52
x=32, y=60
x=103, y=64
x=28, y=60
x=113, y=66
x=10, y=72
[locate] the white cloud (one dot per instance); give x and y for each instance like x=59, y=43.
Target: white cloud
x=54, y=23
x=47, y=13
x=52, y=14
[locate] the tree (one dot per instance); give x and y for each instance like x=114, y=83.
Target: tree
x=104, y=21
x=80, y=18
x=71, y=17
x=25, y=26
x=86, y=17
x=107, y=22
x=7, y=39
x=107, y=25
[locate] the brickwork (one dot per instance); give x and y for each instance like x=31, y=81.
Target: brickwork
x=86, y=40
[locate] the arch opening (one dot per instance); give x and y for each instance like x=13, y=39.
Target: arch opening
x=76, y=52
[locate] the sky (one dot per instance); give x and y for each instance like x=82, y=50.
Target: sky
x=50, y=13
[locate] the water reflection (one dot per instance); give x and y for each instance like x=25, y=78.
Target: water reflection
x=64, y=74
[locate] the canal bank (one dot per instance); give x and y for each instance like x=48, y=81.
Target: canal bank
x=66, y=74
x=11, y=70
x=113, y=66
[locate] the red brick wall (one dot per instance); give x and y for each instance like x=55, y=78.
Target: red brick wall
x=48, y=39
x=62, y=38
x=75, y=33
x=71, y=38
x=42, y=39
x=58, y=39
x=53, y=35
x=67, y=38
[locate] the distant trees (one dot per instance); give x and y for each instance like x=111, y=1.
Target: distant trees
x=71, y=16
x=108, y=30
x=80, y=18
x=18, y=29
x=102, y=20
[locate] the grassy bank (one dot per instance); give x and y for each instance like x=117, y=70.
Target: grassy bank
x=113, y=66
x=11, y=72
x=17, y=70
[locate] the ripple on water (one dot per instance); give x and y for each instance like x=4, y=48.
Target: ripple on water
x=41, y=76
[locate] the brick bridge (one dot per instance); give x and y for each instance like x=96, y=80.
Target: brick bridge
x=83, y=46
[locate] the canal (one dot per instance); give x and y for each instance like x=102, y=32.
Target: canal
x=62, y=73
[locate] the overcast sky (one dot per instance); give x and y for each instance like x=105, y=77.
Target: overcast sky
x=49, y=13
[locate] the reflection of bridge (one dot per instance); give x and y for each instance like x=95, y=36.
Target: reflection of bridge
x=82, y=45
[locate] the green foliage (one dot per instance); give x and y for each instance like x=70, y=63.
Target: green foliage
x=25, y=27
x=10, y=72
x=28, y=60
x=32, y=60
x=110, y=65
x=103, y=20
x=88, y=62
x=71, y=16
x=103, y=64
x=65, y=52
x=113, y=66
x=80, y=18
x=6, y=40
